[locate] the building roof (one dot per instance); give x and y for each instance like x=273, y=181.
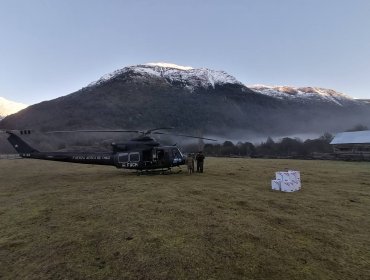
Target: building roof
x=355, y=137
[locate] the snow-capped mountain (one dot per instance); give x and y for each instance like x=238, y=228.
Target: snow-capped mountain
x=304, y=94
x=193, y=79
x=8, y=107
x=192, y=100
x=190, y=78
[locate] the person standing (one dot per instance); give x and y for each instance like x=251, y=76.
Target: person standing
x=190, y=163
x=200, y=161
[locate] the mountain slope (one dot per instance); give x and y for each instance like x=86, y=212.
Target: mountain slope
x=192, y=100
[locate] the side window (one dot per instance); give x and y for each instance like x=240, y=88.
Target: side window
x=123, y=158
x=134, y=157
x=160, y=154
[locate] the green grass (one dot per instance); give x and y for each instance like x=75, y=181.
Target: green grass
x=69, y=221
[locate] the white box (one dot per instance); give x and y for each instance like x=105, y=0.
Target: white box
x=287, y=187
x=283, y=176
x=295, y=175
x=296, y=184
x=276, y=185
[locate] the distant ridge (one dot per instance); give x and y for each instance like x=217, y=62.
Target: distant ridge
x=364, y=100
x=8, y=107
x=305, y=94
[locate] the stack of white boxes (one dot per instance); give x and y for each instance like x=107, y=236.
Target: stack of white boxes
x=288, y=181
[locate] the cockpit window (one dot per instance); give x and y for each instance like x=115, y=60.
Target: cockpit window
x=176, y=153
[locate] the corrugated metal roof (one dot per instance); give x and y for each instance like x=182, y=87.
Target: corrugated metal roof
x=355, y=137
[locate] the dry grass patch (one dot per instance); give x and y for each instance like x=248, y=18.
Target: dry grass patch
x=69, y=221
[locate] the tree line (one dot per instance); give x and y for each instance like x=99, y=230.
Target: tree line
x=286, y=147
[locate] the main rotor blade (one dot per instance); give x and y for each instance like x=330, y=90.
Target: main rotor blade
x=183, y=135
x=154, y=129
x=93, y=130
x=145, y=132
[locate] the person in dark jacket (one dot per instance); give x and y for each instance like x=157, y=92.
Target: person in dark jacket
x=200, y=161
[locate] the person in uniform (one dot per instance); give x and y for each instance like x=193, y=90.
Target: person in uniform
x=190, y=163
x=200, y=161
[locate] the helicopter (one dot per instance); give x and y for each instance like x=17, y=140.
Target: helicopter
x=141, y=153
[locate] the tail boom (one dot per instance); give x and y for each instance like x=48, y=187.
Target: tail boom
x=26, y=151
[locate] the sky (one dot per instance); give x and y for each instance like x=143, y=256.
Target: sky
x=51, y=48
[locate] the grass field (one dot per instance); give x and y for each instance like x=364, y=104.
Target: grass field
x=69, y=221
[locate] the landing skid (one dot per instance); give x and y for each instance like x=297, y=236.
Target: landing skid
x=167, y=171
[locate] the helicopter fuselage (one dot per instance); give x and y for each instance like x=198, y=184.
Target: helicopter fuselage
x=140, y=154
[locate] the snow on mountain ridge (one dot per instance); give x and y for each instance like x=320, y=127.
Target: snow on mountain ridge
x=303, y=93
x=8, y=107
x=169, y=65
x=191, y=77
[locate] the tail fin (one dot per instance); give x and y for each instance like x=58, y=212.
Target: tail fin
x=20, y=146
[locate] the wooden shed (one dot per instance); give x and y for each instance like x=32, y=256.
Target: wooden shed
x=352, y=145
